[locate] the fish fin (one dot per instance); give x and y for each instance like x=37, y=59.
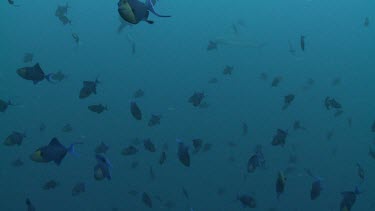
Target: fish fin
x=55, y=142
x=48, y=77
x=150, y=7
x=59, y=159
x=71, y=149
x=150, y=22
x=35, y=82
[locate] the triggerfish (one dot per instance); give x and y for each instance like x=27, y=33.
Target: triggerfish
x=134, y=11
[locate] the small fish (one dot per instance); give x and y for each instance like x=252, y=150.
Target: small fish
x=76, y=38
x=183, y=153
x=146, y=200
x=64, y=20
x=67, y=128
x=185, y=193
x=78, y=188
x=348, y=199
x=256, y=160
x=54, y=151
x=149, y=146
x=130, y=150
x=97, y=108
x=196, y=99
x=197, y=144
x=247, y=200
x=228, y=70
x=102, y=148
x=291, y=48
x=34, y=74
x=51, y=184
x=212, y=45
x=302, y=42
x=11, y=2
x=360, y=171
x=279, y=138
x=152, y=173
x=316, y=186
x=29, y=205
x=62, y=10
x=367, y=22
x=280, y=184
x=102, y=168
x=331, y=103
x=135, y=110
x=163, y=158
x=336, y=82
x=88, y=88
x=297, y=125
x=245, y=129
x=28, y=57
x=15, y=138
x=338, y=113
x=288, y=99
x=154, y=120
x=58, y=76
x=17, y=163
x=213, y=81
x=139, y=93
x=276, y=81
x=263, y=76
x=42, y=127
x=4, y=105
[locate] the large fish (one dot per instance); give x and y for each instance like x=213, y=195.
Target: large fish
x=134, y=11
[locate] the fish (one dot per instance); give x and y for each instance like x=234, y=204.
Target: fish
x=332, y=103
x=134, y=11
x=15, y=138
x=372, y=152
x=302, y=42
x=11, y=2
x=76, y=38
x=78, y=188
x=162, y=158
x=360, y=171
x=291, y=48
x=42, y=127
x=336, y=82
x=54, y=151
x=88, y=88
x=149, y=146
x=196, y=99
x=62, y=10
x=279, y=138
x=197, y=144
x=102, y=169
x=28, y=57
x=102, y=148
x=297, y=125
x=183, y=153
x=212, y=45
x=276, y=81
x=154, y=120
x=247, y=200
x=135, y=110
x=152, y=173
x=4, y=105
x=264, y=76
x=50, y=184
x=64, y=20
x=348, y=199
x=245, y=129
x=228, y=70
x=146, y=200
x=67, y=128
x=185, y=193
x=17, y=163
x=213, y=81
x=30, y=206
x=256, y=160
x=280, y=184
x=34, y=73
x=367, y=22
x=130, y=150
x=139, y=93
x=97, y=108
x=316, y=186
x=58, y=76
x=288, y=99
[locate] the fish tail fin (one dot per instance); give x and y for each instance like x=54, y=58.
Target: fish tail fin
x=48, y=77
x=150, y=7
x=357, y=190
x=71, y=149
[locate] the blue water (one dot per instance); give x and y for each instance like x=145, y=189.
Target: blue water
x=170, y=64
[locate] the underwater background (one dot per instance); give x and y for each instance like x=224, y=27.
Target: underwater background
x=171, y=62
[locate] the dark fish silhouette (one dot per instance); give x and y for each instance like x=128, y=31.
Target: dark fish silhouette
x=97, y=108
x=51, y=184
x=135, y=111
x=146, y=200
x=130, y=150
x=149, y=146
x=4, y=105
x=247, y=200
x=15, y=138
x=196, y=99
x=154, y=120
x=78, y=188
x=102, y=148
x=88, y=88
x=34, y=74
x=348, y=199
x=134, y=11
x=183, y=153
x=102, y=168
x=29, y=205
x=212, y=45
x=162, y=158
x=302, y=42
x=280, y=184
x=279, y=138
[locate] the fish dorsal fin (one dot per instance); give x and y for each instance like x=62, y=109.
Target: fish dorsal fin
x=55, y=142
x=150, y=7
x=37, y=68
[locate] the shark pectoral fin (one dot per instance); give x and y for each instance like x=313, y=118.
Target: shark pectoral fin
x=150, y=7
